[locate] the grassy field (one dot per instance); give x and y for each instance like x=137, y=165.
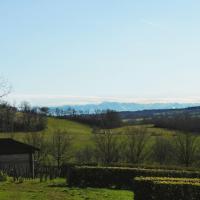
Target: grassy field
x=81, y=133
x=57, y=190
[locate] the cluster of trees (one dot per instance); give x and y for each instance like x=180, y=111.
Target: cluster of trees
x=182, y=122
x=137, y=147
x=54, y=150
x=134, y=146
x=25, y=118
x=130, y=146
x=102, y=119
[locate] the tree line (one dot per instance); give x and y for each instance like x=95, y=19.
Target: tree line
x=134, y=146
x=182, y=121
x=101, y=119
x=137, y=146
x=23, y=118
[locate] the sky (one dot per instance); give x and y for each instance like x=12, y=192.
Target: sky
x=74, y=51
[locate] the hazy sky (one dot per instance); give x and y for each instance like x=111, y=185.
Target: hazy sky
x=75, y=51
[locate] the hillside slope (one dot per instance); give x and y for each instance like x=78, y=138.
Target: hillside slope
x=80, y=133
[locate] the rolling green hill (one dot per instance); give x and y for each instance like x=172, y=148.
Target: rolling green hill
x=81, y=133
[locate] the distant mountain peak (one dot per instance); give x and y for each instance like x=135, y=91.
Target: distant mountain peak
x=120, y=106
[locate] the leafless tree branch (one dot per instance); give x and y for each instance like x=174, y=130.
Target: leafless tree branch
x=5, y=87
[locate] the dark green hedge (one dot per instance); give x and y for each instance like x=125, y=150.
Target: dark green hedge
x=117, y=177
x=153, y=188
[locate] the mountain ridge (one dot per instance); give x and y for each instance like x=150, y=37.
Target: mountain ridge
x=120, y=106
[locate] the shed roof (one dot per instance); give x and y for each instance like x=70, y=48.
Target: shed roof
x=10, y=146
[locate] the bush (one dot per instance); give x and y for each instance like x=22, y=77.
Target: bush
x=20, y=180
x=117, y=177
x=3, y=177
x=156, y=188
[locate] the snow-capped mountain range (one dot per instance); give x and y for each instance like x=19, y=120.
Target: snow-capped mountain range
x=90, y=108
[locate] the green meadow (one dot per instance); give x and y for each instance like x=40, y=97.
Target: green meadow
x=57, y=190
x=81, y=133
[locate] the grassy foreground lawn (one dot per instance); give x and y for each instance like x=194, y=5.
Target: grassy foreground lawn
x=57, y=190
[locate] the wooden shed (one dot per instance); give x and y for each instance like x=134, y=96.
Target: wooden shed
x=17, y=158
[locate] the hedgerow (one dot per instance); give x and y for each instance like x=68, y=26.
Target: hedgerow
x=165, y=188
x=118, y=177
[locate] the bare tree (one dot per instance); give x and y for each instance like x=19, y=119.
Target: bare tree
x=32, y=118
x=5, y=87
x=61, y=143
x=38, y=140
x=136, y=145
x=85, y=155
x=107, y=147
x=7, y=117
x=186, y=148
x=162, y=150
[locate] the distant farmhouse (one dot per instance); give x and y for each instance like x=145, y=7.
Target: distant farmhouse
x=17, y=158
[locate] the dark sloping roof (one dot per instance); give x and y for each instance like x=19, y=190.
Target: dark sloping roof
x=10, y=146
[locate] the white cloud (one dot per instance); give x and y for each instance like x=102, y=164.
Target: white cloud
x=54, y=100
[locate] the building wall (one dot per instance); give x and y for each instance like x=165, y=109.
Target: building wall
x=14, y=158
x=17, y=164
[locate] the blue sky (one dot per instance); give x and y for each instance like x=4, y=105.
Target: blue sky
x=57, y=51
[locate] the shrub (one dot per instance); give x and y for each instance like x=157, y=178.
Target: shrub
x=156, y=188
x=20, y=180
x=3, y=176
x=117, y=177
